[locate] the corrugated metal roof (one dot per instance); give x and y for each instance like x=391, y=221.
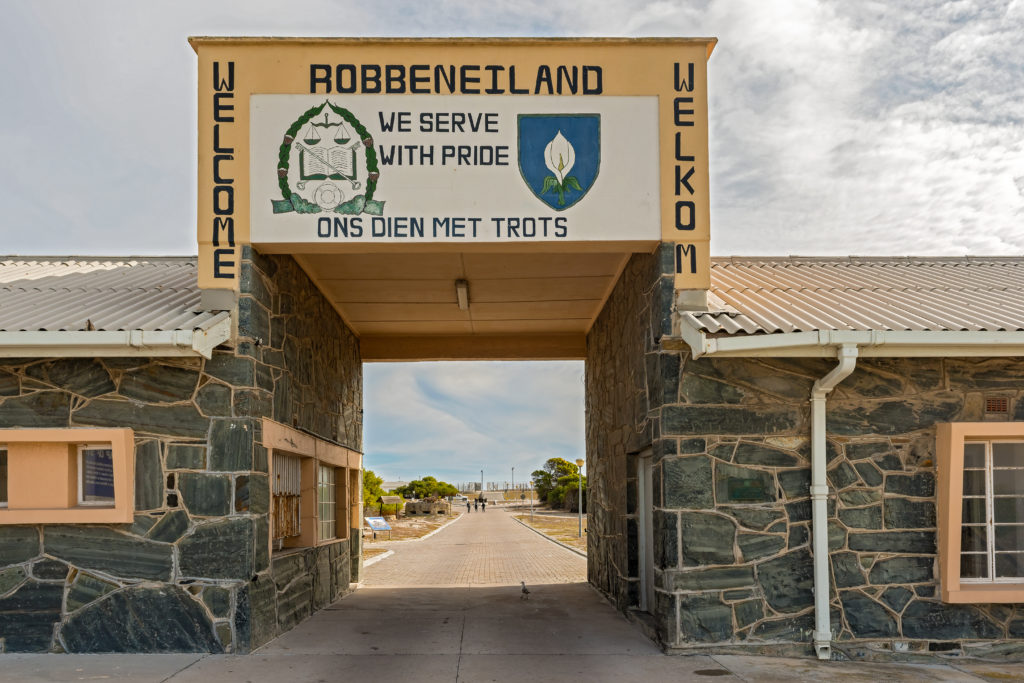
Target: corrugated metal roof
x=67, y=293
x=802, y=294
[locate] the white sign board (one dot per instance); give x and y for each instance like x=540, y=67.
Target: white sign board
x=423, y=168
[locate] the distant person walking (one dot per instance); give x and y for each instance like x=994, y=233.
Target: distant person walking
x=483, y=505
x=468, y=508
x=476, y=504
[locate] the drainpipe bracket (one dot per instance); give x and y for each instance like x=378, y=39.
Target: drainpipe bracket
x=818, y=492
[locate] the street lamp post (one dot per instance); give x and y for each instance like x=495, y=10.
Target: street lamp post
x=513, y=478
x=481, y=483
x=579, y=501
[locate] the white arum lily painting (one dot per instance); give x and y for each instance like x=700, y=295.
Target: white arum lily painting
x=559, y=157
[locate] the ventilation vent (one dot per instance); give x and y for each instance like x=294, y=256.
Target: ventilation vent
x=997, y=405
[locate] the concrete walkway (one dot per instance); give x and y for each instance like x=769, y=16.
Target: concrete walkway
x=464, y=621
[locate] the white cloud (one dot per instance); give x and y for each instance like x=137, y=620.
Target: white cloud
x=452, y=419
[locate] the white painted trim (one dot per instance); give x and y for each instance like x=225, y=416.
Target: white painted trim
x=172, y=343
x=872, y=343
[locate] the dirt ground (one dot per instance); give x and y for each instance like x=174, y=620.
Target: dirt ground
x=405, y=528
x=562, y=527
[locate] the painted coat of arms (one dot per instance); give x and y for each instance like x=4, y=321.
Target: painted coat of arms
x=559, y=156
x=327, y=163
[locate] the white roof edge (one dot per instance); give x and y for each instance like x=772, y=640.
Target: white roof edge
x=158, y=343
x=872, y=343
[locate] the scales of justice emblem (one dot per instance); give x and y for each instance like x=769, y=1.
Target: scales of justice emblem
x=327, y=164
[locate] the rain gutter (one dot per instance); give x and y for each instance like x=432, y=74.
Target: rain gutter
x=154, y=343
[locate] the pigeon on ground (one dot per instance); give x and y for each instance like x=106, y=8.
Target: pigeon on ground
x=525, y=592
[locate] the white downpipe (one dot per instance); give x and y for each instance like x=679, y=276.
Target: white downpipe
x=847, y=354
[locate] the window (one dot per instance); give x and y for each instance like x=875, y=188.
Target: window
x=3, y=477
x=287, y=507
x=95, y=475
x=67, y=476
x=325, y=499
x=315, y=488
x=981, y=511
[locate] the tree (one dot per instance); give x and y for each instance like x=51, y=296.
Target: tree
x=372, y=487
x=546, y=480
x=426, y=487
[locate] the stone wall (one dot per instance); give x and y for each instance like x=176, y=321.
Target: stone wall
x=193, y=572
x=620, y=422
x=733, y=554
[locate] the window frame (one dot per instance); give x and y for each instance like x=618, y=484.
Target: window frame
x=950, y=440
x=314, y=453
x=44, y=480
x=80, y=491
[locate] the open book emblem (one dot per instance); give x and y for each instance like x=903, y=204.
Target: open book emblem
x=326, y=164
x=559, y=156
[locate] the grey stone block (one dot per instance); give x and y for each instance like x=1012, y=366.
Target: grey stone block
x=218, y=600
x=935, y=621
x=753, y=518
x=870, y=473
x=862, y=518
x=165, y=420
x=902, y=570
x=86, y=589
x=231, y=443
x=159, y=383
x=186, y=457
x=843, y=475
x=11, y=578
x=709, y=579
x=896, y=597
x=706, y=539
x=205, y=495
x=787, y=581
x=748, y=453
x=901, y=513
x=755, y=546
x=795, y=483
x=49, y=570
x=171, y=527
x=894, y=542
x=107, y=551
x=42, y=409
x=847, y=570
x=687, y=482
x=149, y=476
x=234, y=370
x=704, y=619
x=747, y=613
x=18, y=544
x=685, y=420
x=141, y=619
x=866, y=617
x=866, y=449
x=28, y=615
x=920, y=485
x=214, y=400
x=83, y=376
x=219, y=550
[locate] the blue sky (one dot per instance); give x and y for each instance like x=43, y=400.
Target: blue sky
x=871, y=127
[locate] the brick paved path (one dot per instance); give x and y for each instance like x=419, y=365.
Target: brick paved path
x=480, y=549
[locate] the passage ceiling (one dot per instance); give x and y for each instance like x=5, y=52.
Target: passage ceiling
x=403, y=305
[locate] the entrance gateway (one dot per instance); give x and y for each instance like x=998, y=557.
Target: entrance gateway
x=473, y=199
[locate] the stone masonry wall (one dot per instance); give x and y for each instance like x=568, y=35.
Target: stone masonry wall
x=620, y=424
x=193, y=572
x=733, y=553
x=310, y=378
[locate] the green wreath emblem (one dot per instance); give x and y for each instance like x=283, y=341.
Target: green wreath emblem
x=362, y=203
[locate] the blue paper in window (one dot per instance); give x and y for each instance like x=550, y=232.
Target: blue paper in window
x=98, y=474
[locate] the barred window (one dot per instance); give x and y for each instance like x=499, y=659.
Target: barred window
x=287, y=495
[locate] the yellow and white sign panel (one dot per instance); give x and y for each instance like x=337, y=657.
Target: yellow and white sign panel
x=311, y=142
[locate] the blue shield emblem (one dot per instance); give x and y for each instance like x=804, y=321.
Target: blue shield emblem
x=559, y=156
